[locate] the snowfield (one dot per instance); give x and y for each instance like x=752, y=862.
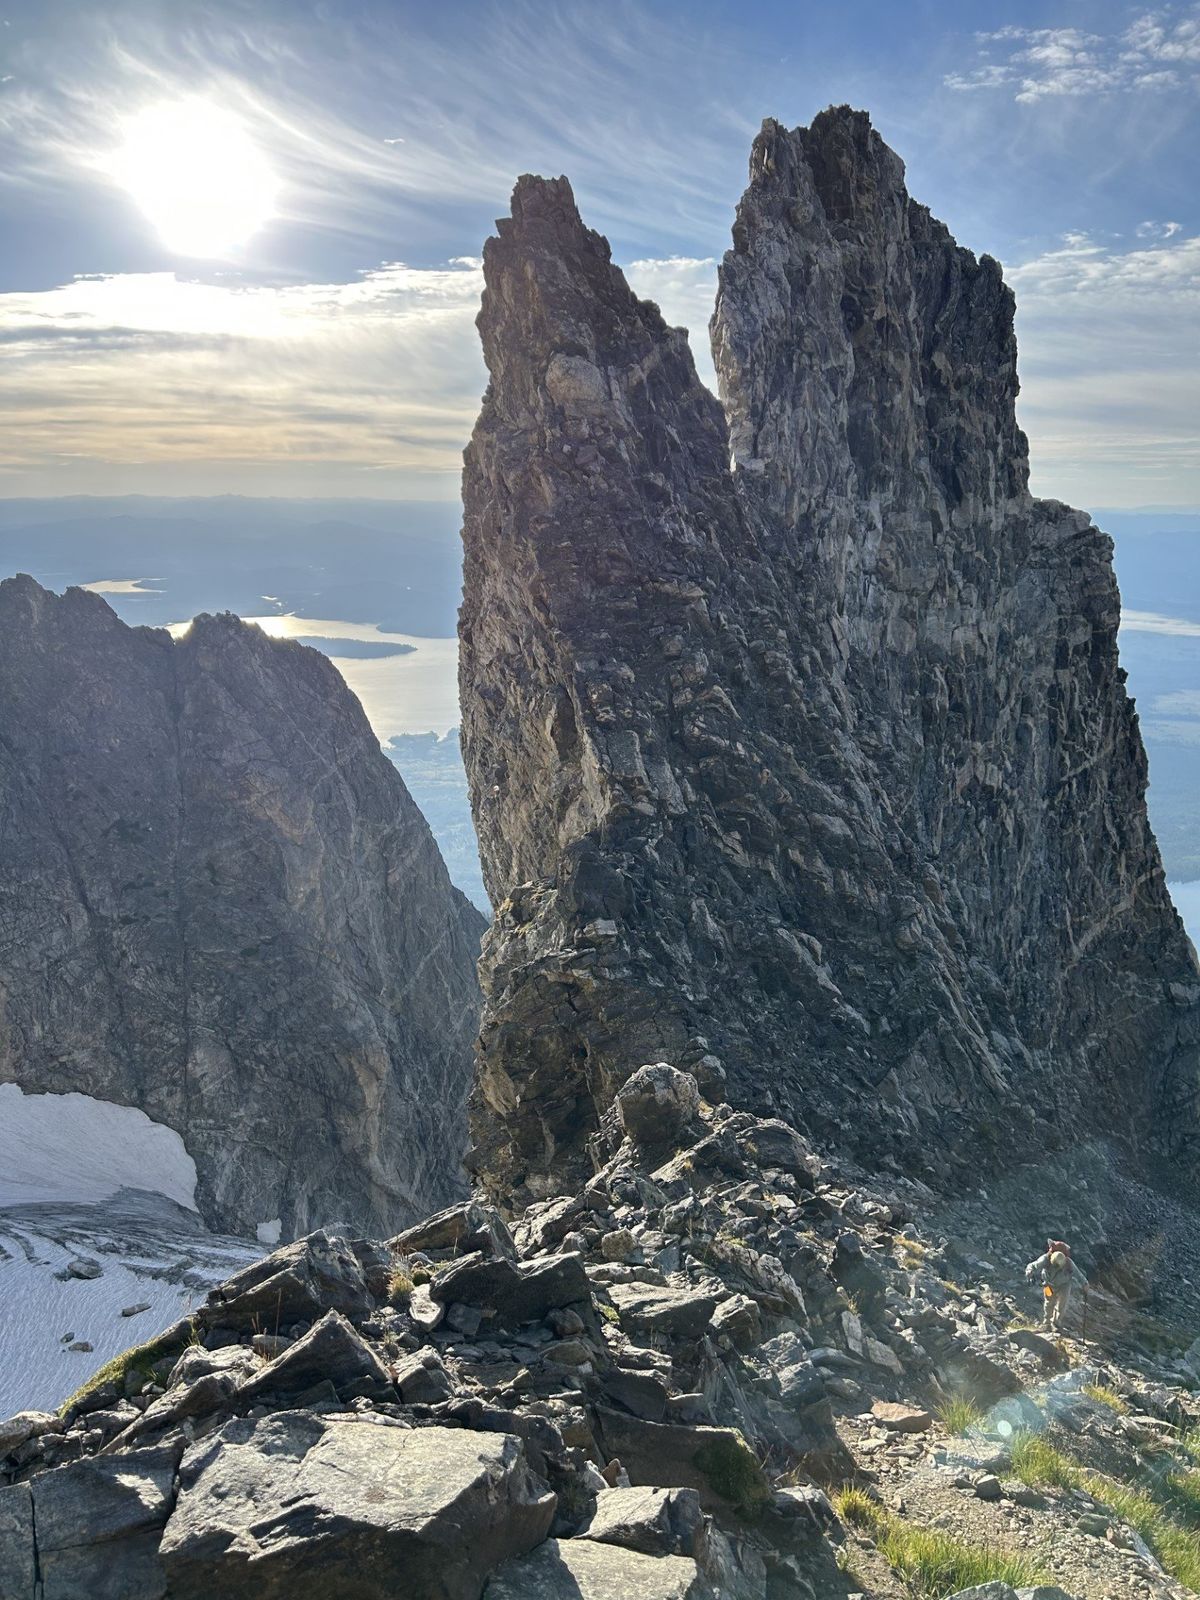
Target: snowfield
x=85, y=1181
x=71, y=1147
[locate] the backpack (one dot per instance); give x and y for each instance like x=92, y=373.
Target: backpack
x=1060, y=1244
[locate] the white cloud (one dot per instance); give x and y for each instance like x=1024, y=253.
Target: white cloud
x=1159, y=50
x=1110, y=369
x=368, y=380
x=1177, y=627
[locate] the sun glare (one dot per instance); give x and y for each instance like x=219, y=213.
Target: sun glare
x=197, y=175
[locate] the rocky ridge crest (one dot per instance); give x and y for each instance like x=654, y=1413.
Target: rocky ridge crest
x=654, y=1387
x=220, y=905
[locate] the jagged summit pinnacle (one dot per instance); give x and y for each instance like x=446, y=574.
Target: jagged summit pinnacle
x=816, y=775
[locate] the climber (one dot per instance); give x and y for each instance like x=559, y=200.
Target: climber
x=1059, y=1276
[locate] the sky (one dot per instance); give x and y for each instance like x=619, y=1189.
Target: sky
x=241, y=241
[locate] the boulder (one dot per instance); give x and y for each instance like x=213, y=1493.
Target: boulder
x=197, y=1362
x=659, y=1106
x=422, y=1379
x=463, y=1228
x=1042, y=1346
x=658, y=1522
x=901, y=1418
x=739, y=1320
x=18, y=1556
x=98, y=1523
x=516, y=1293
x=296, y=1284
x=772, y=1143
x=330, y=1350
x=680, y=1313
x=717, y=1462
x=196, y=1396
x=642, y=1393
x=579, y=1569
x=295, y=1507
x=17, y=1430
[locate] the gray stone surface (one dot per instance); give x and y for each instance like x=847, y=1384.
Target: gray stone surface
x=219, y=903
x=646, y=1308
x=295, y=1508
x=18, y=1555
x=577, y=1569
x=821, y=768
x=659, y=1522
x=98, y=1524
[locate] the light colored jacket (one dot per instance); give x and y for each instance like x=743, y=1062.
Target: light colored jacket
x=1060, y=1279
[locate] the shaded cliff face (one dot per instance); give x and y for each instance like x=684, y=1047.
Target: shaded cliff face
x=220, y=904
x=819, y=772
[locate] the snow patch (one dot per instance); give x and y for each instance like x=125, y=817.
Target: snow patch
x=71, y=1147
x=268, y=1232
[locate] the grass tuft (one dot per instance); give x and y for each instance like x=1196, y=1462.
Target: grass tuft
x=856, y=1507
x=1105, y=1396
x=933, y=1563
x=1037, y=1463
x=1181, y=1494
x=400, y=1286
x=960, y=1414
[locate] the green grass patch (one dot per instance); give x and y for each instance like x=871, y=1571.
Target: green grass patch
x=1168, y=1519
x=959, y=1415
x=934, y=1563
x=1105, y=1396
x=1039, y=1464
x=139, y=1359
x=1181, y=1495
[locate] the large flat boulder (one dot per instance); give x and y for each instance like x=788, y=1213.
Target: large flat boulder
x=577, y=1569
x=295, y=1507
x=682, y=1313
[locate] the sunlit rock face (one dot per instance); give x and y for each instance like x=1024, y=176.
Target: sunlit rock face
x=818, y=769
x=218, y=903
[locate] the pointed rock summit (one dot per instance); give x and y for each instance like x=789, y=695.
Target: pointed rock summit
x=798, y=745
x=219, y=904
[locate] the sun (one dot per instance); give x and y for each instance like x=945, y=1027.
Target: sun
x=197, y=175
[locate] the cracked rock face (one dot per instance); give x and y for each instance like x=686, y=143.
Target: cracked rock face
x=220, y=905
x=814, y=773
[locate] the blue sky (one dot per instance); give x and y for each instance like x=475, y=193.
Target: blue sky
x=331, y=351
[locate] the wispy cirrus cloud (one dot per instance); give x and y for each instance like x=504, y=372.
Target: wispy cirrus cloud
x=1158, y=50
x=409, y=124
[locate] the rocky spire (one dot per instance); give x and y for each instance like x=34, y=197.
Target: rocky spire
x=818, y=772
x=220, y=905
